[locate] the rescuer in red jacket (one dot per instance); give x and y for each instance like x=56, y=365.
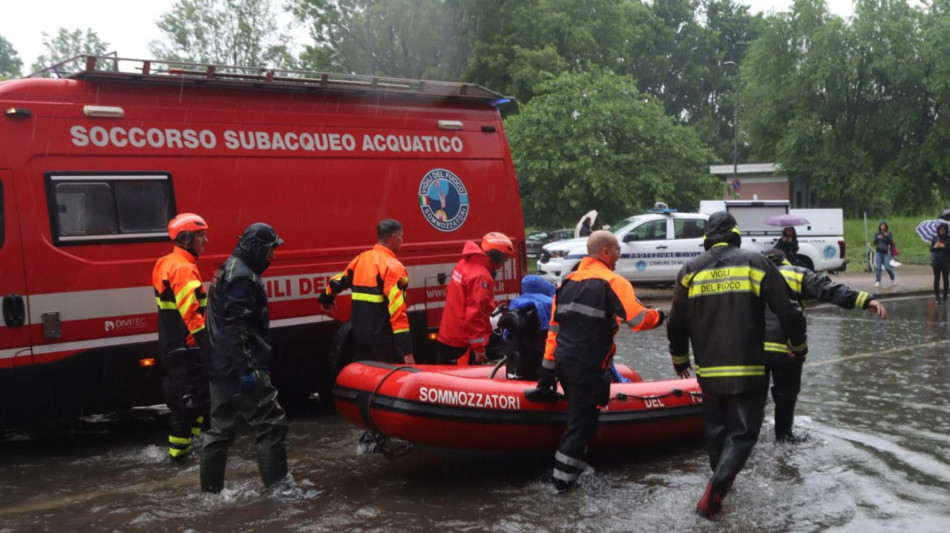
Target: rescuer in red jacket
x=378, y=282
x=182, y=336
x=470, y=299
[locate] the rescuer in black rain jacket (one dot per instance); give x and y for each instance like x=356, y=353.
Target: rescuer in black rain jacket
x=588, y=309
x=241, y=389
x=719, y=306
x=182, y=336
x=784, y=366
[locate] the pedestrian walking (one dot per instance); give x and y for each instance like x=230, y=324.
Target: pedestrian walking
x=883, y=248
x=182, y=337
x=241, y=388
x=718, y=304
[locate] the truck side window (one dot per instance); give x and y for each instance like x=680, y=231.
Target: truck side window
x=689, y=228
x=651, y=231
x=101, y=208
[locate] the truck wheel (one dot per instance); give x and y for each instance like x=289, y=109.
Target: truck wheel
x=341, y=354
x=806, y=262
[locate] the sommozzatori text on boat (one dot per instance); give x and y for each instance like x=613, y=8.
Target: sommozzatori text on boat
x=477, y=408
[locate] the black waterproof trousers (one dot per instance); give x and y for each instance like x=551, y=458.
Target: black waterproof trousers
x=384, y=352
x=786, y=384
x=731, y=425
x=941, y=269
x=263, y=414
x=186, y=393
x=449, y=355
x=586, y=389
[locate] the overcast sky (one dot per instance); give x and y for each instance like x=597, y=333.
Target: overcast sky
x=129, y=25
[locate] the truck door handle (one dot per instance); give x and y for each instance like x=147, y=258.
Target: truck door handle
x=661, y=247
x=14, y=312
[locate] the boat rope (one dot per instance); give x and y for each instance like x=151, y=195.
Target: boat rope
x=494, y=369
x=383, y=443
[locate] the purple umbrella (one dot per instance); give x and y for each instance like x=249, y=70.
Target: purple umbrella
x=783, y=221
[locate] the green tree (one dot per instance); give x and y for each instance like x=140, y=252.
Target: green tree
x=68, y=44
x=424, y=39
x=593, y=140
x=10, y=64
x=230, y=32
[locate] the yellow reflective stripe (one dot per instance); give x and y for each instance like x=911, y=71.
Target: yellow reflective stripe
x=203, y=302
x=196, y=330
x=196, y=431
x=730, y=371
x=179, y=440
x=188, y=290
x=175, y=452
x=775, y=347
x=184, y=306
x=680, y=359
x=861, y=300
x=403, y=330
x=798, y=348
x=372, y=298
x=168, y=306
x=687, y=279
x=793, y=279
x=727, y=279
x=396, y=299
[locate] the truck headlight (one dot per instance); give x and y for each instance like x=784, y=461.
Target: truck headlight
x=558, y=253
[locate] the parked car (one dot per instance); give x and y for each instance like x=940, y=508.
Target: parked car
x=537, y=240
x=653, y=247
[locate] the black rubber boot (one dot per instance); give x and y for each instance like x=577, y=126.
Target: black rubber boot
x=213, y=465
x=710, y=504
x=272, y=464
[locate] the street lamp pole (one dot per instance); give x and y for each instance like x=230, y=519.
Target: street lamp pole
x=735, y=122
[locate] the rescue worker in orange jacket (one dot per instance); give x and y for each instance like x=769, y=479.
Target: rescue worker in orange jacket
x=588, y=309
x=469, y=300
x=718, y=307
x=378, y=282
x=182, y=336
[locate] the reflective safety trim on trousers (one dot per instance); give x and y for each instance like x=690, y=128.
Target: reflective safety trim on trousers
x=403, y=330
x=730, y=371
x=568, y=460
x=372, y=298
x=680, y=359
x=581, y=309
x=561, y=475
x=776, y=347
x=196, y=431
x=799, y=347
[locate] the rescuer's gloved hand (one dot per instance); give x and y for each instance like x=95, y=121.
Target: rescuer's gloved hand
x=249, y=381
x=326, y=301
x=546, y=390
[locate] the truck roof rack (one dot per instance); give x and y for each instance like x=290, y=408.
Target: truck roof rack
x=151, y=71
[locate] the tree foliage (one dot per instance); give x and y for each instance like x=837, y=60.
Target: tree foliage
x=593, y=140
x=68, y=44
x=10, y=63
x=230, y=32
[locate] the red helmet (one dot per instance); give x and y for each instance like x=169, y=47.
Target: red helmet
x=185, y=222
x=497, y=241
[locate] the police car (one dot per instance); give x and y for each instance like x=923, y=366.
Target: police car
x=653, y=247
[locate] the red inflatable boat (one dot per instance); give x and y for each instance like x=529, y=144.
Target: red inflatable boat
x=475, y=408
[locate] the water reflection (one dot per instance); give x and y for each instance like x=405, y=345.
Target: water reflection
x=874, y=402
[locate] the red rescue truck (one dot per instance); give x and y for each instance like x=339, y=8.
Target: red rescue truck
x=94, y=164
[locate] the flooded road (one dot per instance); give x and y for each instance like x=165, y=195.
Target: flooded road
x=874, y=403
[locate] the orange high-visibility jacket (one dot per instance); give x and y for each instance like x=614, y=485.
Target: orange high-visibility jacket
x=181, y=300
